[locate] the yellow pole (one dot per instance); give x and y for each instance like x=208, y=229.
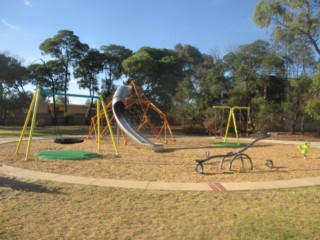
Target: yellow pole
x=98, y=123
x=109, y=126
x=33, y=123
x=231, y=115
x=234, y=119
x=242, y=108
x=26, y=121
x=228, y=125
x=221, y=107
x=235, y=125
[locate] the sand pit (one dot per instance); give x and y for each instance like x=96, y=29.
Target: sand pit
x=174, y=164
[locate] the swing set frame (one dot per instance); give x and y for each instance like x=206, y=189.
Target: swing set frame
x=232, y=119
x=32, y=113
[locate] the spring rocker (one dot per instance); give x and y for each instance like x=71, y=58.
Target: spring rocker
x=229, y=157
x=304, y=149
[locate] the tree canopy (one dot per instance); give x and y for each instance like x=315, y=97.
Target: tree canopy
x=157, y=71
x=114, y=55
x=13, y=79
x=66, y=48
x=290, y=18
x=277, y=79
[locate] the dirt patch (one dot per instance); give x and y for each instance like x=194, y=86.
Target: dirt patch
x=174, y=164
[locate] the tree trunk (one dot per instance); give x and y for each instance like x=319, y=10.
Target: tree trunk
x=293, y=122
x=53, y=100
x=303, y=117
x=2, y=105
x=65, y=97
x=54, y=110
x=88, y=117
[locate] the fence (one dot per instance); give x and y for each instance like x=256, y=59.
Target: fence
x=45, y=119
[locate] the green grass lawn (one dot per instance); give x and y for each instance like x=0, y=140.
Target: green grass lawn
x=50, y=210
x=64, y=211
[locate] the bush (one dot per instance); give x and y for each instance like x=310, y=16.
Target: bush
x=40, y=123
x=269, y=116
x=210, y=126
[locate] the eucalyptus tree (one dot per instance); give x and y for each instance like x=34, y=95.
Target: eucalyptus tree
x=298, y=96
x=194, y=66
x=114, y=55
x=254, y=70
x=216, y=84
x=250, y=68
x=294, y=21
x=184, y=107
x=313, y=105
x=66, y=48
x=48, y=76
x=298, y=18
x=301, y=65
x=157, y=71
x=13, y=79
x=12, y=74
x=191, y=59
x=203, y=83
x=87, y=71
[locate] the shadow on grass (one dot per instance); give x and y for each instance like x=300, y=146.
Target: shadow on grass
x=19, y=185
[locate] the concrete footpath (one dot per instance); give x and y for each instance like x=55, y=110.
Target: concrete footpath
x=31, y=176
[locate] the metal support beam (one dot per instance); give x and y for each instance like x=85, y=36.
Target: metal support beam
x=68, y=94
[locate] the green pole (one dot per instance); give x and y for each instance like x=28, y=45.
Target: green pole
x=98, y=124
x=68, y=95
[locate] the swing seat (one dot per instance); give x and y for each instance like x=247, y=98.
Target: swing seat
x=68, y=140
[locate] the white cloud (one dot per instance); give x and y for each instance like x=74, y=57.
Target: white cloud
x=9, y=25
x=27, y=3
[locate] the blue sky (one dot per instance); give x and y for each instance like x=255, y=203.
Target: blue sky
x=217, y=25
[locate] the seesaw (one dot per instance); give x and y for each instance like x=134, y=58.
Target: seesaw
x=230, y=157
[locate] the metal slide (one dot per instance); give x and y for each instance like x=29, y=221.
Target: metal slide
x=118, y=109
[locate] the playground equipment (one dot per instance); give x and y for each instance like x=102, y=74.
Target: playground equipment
x=268, y=163
x=304, y=149
x=33, y=112
x=229, y=157
x=231, y=118
x=118, y=108
x=67, y=155
x=139, y=101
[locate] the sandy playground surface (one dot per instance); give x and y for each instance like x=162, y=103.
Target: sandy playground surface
x=174, y=164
